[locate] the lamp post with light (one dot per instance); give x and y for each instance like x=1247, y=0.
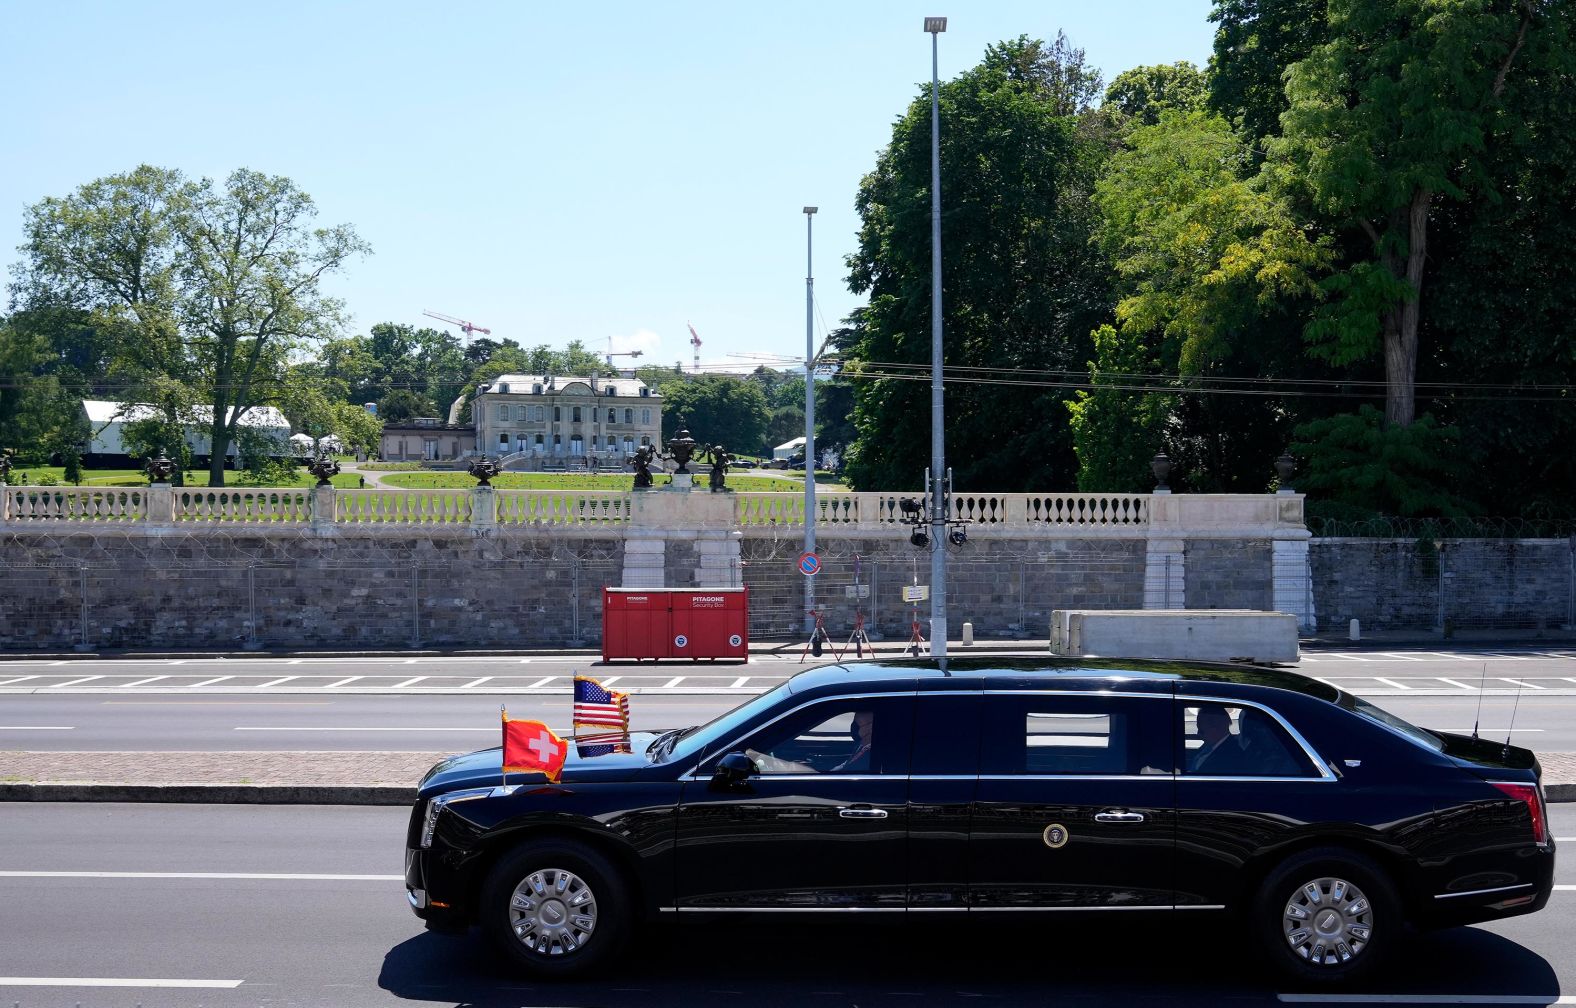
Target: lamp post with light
x=809, y=415
x=938, y=462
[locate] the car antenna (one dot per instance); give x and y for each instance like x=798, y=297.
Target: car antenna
x=1482, y=678
x=1513, y=711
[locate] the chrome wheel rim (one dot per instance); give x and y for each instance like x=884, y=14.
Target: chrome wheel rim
x=1328, y=922
x=552, y=912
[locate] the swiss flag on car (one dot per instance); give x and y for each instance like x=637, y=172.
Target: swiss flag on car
x=531, y=747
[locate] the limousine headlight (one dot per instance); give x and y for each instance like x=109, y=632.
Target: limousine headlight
x=435, y=805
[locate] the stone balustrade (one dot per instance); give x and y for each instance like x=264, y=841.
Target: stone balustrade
x=1014, y=514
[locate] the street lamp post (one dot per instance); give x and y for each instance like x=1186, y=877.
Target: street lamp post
x=938, y=462
x=809, y=415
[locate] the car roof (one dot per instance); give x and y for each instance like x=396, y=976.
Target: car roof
x=1032, y=668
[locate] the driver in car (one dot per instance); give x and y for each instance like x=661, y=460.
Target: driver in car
x=863, y=730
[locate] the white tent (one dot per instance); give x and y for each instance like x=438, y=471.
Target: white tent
x=106, y=419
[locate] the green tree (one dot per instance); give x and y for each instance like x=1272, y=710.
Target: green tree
x=404, y=403
x=1024, y=285
x=1141, y=94
x=717, y=409
x=1384, y=119
x=1254, y=44
x=211, y=287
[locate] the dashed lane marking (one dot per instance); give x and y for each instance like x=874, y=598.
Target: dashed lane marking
x=1458, y=685
x=410, y=682
x=116, y=982
x=143, y=682
x=205, y=682
x=1392, y=683
x=76, y=682
x=347, y=679
x=476, y=682
x=266, y=876
x=8, y=682
x=276, y=682
x=542, y=682
x=1519, y=682
x=673, y=682
x=739, y=682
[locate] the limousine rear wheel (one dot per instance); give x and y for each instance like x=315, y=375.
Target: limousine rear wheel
x=556, y=907
x=1327, y=916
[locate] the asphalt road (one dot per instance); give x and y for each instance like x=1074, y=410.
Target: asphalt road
x=223, y=907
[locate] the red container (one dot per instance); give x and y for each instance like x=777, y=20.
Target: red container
x=635, y=624
x=711, y=623
x=676, y=623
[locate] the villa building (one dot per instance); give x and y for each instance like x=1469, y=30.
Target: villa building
x=531, y=421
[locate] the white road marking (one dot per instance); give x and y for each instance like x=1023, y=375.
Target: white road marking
x=525, y=661
x=611, y=681
x=1429, y=999
x=1565, y=888
x=1565, y=839
x=276, y=682
x=293, y=661
x=409, y=682
x=1398, y=656
x=8, y=682
x=411, y=661
x=73, y=682
x=35, y=727
x=210, y=682
x=143, y=682
x=267, y=876
x=673, y=682
x=114, y=982
x=1460, y=685
x=1521, y=682
x=347, y=679
x=341, y=728
x=1391, y=683
x=476, y=682
x=542, y=681
x=739, y=682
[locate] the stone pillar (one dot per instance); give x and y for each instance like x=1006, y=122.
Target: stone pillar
x=161, y=504
x=719, y=559
x=1165, y=559
x=1292, y=581
x=645, y=556
x=322, y=508
x=484, y=509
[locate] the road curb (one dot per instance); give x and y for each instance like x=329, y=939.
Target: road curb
x=212, y=794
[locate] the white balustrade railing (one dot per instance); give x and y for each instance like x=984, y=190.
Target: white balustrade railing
x=243, y=504
x=91, y=504
x=402, y=507
x=562, y=507
x=876, y=510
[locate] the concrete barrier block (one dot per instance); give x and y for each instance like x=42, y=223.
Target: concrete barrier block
x=1183, y=634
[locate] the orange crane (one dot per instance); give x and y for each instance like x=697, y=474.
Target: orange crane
x=465, y=327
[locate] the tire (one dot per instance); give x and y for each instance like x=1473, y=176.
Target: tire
x=1327, y=917
x=572, y=914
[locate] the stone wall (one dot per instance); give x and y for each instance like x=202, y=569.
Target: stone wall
x=1452, y=584
x=1226, y=574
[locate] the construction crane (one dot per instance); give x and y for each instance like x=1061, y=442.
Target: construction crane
x=695, y=341
x=627, y=353
x=465, y=327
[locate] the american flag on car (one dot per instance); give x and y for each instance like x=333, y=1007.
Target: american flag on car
x=599, y=707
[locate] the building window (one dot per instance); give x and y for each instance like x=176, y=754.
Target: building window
x=558, y=444
x=593, y=442
x=629, y=446
x=558, y=414
x=536, y=389
x=629, y=416
x=538, y=440
x=593, y=414
x=645, y=440
x=541, y=413
x=429, y=449
x=577, y=447
x=503, y=413
x=576, y=414
x=503, y=442
x=645, y=416
x=611, y=390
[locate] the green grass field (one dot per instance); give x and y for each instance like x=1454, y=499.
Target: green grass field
x=573, y=481
x=29, y=476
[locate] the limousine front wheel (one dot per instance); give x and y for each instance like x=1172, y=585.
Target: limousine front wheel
x=555, y=907
x=1327, y=916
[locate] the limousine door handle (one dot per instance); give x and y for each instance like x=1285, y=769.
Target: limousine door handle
x=862, y=813
x=1118, y=815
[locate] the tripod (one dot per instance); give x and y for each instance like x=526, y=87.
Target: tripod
x=915, y=638
x=818, y=637
x=858, y=640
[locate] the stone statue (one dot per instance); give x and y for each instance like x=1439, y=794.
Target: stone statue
x=682, y=449
x=721, y=458
x=644, y=456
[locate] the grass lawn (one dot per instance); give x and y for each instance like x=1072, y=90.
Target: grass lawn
x=135, y=478
x=573, y=481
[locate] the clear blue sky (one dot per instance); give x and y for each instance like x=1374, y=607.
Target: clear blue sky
x=550, y=170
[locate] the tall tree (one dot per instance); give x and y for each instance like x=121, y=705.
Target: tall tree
x=1023, y=284
x=213, y=285
x=717, y=409
x=1388, y=116
x=1254, y=44
x=1141, y=94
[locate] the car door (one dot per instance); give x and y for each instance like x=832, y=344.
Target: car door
x=943, y=776
x=1074, y=808
x=820, y=824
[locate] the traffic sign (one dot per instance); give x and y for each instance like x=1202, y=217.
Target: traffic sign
x=916, y=593
x=809, y=563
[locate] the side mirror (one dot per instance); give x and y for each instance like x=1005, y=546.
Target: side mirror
x=732, y=770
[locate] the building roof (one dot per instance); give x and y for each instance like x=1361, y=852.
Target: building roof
x=521, y=384
x=793, y=445
x=106, y=411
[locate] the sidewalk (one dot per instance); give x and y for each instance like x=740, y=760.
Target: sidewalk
x=319, y=778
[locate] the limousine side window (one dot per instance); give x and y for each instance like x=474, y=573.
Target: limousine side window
x=1226, y=740
x=856, y=737
x=1075, y=736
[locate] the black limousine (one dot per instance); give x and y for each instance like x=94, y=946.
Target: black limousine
x=1322, y=824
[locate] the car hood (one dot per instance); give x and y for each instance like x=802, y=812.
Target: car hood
x=598, y=760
